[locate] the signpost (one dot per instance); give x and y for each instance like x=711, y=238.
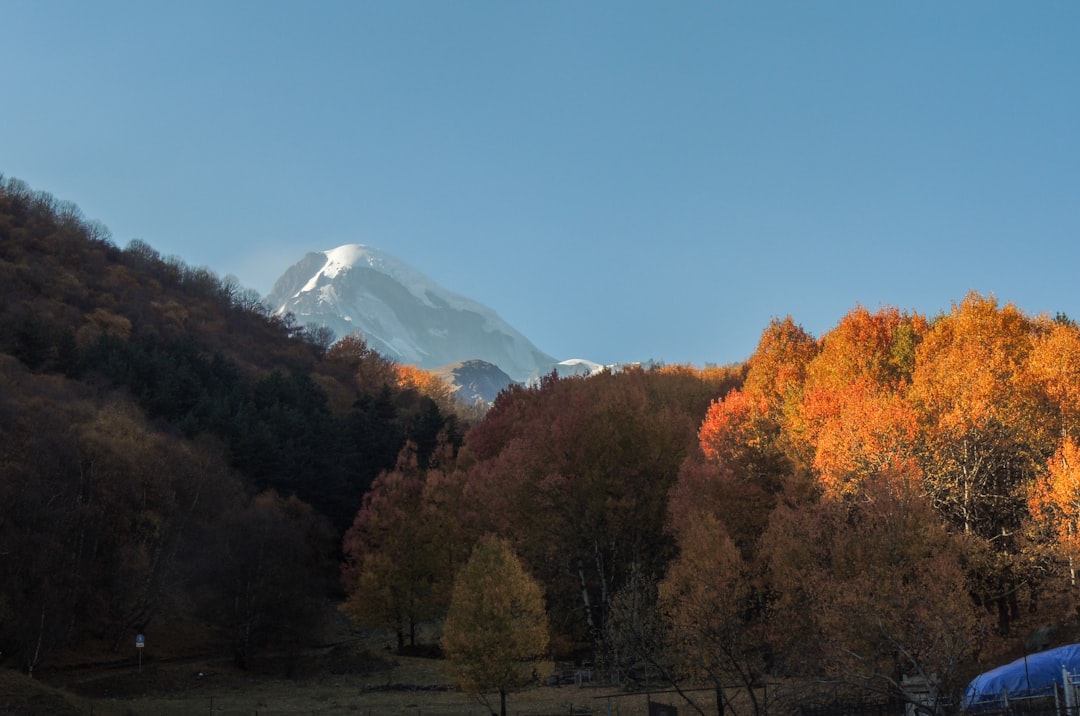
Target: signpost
x=140, y=642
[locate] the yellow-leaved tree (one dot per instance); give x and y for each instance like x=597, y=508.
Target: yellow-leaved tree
x=496, y=629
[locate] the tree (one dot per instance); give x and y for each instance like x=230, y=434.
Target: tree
x=1055, y=502
x=427, y=383
x=497, y=626
x=983, y=438
x=576, y=473
x=715, y=612
x=371, y=370
x=871, y=589
x=103, y=520
x=854, y=415
x=778, y=368
x=271, y=566
x=754, y=426
x=738, y=436
x=399, y=552
x=635, y=635
x=858, y=431
x=1053, y=368
x=978, y=445
x=741, y=505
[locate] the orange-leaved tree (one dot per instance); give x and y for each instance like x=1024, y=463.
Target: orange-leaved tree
x=854, y=415
x=778, y=365
x=743, y=432
x=746, y=457
x=858, y=431
x=738, y=436
x=978, y=445
x=1055, y=502
x=1053, y=369
x=427, y=383
x=982, y=440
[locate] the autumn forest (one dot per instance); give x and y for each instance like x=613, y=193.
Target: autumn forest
x=897, y=498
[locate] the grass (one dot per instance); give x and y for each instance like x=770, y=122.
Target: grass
x=405, y=686
x=358, y=677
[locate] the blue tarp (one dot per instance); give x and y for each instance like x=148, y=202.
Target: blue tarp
x=1032, y=675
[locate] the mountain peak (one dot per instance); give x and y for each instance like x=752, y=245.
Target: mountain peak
x=349, y=256
x=402, y=313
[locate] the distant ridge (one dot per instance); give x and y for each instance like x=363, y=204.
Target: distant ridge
x=478, y=382
x=571, y=368
x=401, y=313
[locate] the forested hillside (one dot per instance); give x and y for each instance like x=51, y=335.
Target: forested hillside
x=165, y=444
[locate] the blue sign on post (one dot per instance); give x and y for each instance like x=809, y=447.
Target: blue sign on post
x=140, y=642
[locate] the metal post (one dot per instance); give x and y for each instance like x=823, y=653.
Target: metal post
x=1070, y=697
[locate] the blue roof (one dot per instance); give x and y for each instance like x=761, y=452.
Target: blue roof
x=1032, y=675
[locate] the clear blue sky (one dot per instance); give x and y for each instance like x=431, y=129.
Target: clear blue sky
x=619, y=180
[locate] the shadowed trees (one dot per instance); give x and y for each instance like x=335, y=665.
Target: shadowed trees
x=402, y=550
x=575, y=473
x=146, y=402
x=102, y=517
x=870, y=590
x=270, y=574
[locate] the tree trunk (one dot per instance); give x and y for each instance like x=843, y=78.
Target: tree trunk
x=32, y=659
x=585, y=599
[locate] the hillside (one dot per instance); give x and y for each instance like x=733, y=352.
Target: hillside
x=170, y=447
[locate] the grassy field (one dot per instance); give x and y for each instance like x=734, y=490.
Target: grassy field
x=405, y=686
x=356, y=677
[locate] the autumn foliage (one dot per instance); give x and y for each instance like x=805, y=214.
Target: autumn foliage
x=895, y=498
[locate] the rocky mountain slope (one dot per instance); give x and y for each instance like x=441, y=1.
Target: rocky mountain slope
x=478, y=382
x=402, y=313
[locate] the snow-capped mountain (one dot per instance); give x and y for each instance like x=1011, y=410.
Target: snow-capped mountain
x=574, y=367
x=402, y=313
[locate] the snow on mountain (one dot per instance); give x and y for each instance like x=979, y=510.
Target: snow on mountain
x=402, y=313
x=574, y=367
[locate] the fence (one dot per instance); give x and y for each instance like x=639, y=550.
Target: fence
x=892, y=707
